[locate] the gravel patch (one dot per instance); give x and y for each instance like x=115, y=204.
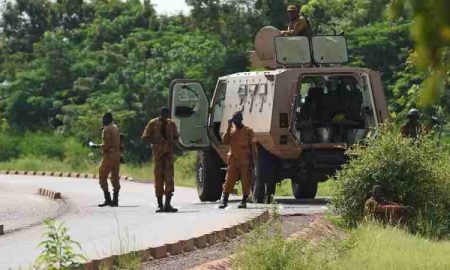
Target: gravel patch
x=290, y=225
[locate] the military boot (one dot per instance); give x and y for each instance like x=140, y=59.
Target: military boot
x=224, y=203
x=107, y=199
x=160, y=204
x=115, y=201
x=167, y=206
x=243, y=203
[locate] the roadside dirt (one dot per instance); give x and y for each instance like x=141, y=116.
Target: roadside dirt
x=290, y=225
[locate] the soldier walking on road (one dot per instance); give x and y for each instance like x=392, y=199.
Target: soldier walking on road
x=110, y=164
x=242, y=150
x=162, y=134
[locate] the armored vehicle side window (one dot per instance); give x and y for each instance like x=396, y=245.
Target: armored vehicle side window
x=328, y=110
x=218, y=106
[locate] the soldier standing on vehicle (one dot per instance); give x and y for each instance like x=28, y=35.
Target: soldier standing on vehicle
x=162, y=134
x=413, y=128
x=110, y=164
x=298, y=24
x=242, y=150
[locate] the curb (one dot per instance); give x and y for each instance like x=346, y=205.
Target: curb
x=62, y=174
x=49, y=193
x=183, y=246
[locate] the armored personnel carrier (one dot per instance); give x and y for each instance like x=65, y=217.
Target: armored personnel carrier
x=305, y=108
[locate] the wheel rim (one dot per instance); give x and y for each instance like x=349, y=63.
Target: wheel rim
x=200, y=172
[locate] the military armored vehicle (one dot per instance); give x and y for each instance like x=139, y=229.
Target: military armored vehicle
x=305, y=108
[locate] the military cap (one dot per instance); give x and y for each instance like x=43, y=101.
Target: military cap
x=292, y=8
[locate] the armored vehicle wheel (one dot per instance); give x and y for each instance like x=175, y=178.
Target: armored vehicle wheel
x=264, y=177
x=304, y=189
x=209, y=175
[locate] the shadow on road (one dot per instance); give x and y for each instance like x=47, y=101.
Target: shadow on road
x=318, y=201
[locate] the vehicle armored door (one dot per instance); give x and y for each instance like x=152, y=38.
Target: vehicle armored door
x=189, y=109
x=369, y=108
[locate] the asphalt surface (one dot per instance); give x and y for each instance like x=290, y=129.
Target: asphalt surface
x=108, y=231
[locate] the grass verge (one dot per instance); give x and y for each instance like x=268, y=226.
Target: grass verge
x=184, y=167
x=371, y=246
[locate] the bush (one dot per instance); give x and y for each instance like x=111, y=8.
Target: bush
x=415, y=173
x=42, y=144
x=60, y=251
x=76, y=154
x=9, y=148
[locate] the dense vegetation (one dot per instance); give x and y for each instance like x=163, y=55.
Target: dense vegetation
x=64, y=63
x=413, y=172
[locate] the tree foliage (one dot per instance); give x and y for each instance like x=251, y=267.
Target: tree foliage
x=64, y=63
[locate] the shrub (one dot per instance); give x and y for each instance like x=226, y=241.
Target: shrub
x=42, y=144
x=76, y=154
x=60, y=251
x=415, y=173
x=9, y=148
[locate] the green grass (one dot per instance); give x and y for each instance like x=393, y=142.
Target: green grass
x=325, y=188
x=184, y=167
x=88, y=163
x=371, y=247
x=394, y=249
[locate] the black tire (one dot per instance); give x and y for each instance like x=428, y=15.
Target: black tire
x=209, y=175
x=304, y=189
x=264, y=176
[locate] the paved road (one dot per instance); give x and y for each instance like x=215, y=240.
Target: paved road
x=106, y=231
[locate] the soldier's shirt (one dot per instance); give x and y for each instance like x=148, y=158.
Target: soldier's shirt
x=242, y=143
x=111, y=139
x=296, y=28
x=409, y=130
x=162, y=135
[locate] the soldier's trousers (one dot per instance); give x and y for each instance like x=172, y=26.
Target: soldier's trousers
x=110, y=164
x=164, y=173
x=234, y=173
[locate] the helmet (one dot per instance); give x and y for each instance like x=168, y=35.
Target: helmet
x=413, y=112
x=292, y=8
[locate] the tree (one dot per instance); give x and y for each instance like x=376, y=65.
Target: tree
x=431, y=33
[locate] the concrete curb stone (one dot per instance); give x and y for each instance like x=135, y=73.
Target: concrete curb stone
x=174, y=248
x=200, y=241
x=49, y=193
x=187, y=245
x=221, y=235
x=211, y=238
x=158, y=252
x=231, y=232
